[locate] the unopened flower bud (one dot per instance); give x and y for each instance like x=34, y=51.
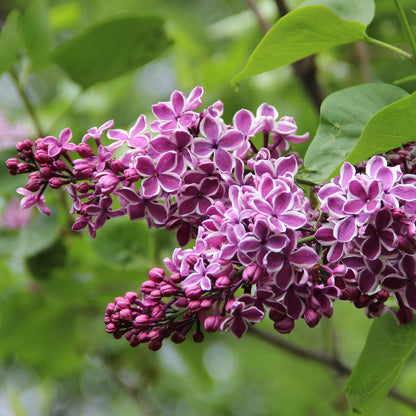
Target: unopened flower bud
x=131, y=175
x=212, y=323
x=84, y=150
x=198, y=336
x=82, y=171
x=125, y=314
x=41, y=156
x=222, y=282
x=83, y=187
x=176, y=277
x=56, y=183
x=147, y=286
x=177, y=337
x=156, y=274
x=193, y=292
x=117, y=166
x=155, y=345
x=206, y=304
x=24, y=145
x=194, y=305
x=405, y=315
x=311, y=317
x=141, y=321
x=285, y=326
x=131, y=296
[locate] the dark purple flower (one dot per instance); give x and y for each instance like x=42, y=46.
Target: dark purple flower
x=406, y=281
x=218, y=143
x=160, y=177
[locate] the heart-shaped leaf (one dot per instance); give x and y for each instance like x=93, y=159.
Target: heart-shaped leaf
x=387, y=348
x=344, y=114
x=300, y=33
x=111, y=48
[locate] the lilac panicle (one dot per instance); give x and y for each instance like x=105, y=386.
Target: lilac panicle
x=260, y=247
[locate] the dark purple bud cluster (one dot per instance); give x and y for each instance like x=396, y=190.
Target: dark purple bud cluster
x=260, y=247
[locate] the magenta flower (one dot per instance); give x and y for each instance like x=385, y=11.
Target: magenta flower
x=178, y=112
x=180, y=144
x=139, y=207
x=30, y=199
x=55, y=146
x=405, y=282
x=197, y=198
x=160, y=177
x=102, y=211
x=135, y=138
x=220, y=145
x=202, y=275
x=96, y=132
x=240, y=316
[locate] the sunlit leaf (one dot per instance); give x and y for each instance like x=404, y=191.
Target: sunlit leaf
x=41, y=233
x=36, y=33
x=124, y=243
x=389, y=128
x=111, y=48
x=357, y=10
x=9, y=41
x=343, y=117
x=386, y=351
x=300, y=33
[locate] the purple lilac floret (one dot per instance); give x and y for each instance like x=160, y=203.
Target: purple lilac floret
x=260, y=248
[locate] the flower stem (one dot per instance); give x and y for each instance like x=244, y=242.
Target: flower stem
x=406, y=27
x=385, y=45
x=29, y=107
x=306, y=239
x=328, y=360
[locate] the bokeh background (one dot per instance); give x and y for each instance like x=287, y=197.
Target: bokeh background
x=55, y=357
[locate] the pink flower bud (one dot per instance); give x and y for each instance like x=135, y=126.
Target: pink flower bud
x=177, y=337
x=56, y=183
x=117, y=166
x=285, y=326
x=156, y=274
x=84, y=150
x=193, y=292
x=222, y=282
x=131, y=175
x=212, y=323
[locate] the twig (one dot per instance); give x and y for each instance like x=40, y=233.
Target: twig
x=330, y=361
x=406, y=28
x=361, y=51
x=305, y=69
x=262, y=23
x=390, y=47
x=29, y=107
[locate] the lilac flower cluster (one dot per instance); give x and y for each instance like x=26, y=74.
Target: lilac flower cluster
x=260, y=247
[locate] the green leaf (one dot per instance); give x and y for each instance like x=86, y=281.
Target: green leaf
x=41, y=233
x=124, y=243
x=404, y=80
x=37, y=33
x=386, y=351
x=343, y=117
x=111, y=48
x=391, y=127
x=9, y=41
x=300, y=33
x=358, y=10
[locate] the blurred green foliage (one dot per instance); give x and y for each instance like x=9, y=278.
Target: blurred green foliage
x=55, y=358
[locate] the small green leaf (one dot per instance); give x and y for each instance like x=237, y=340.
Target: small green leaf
x=386, y=351
x=124, y=243
x=111, y=48
x=37, y=33
x=358, y=10
x=343, y=117
x=41, y=233
x=300, y=33
x=391, y=127
x=403, y=80
x=9, y=41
